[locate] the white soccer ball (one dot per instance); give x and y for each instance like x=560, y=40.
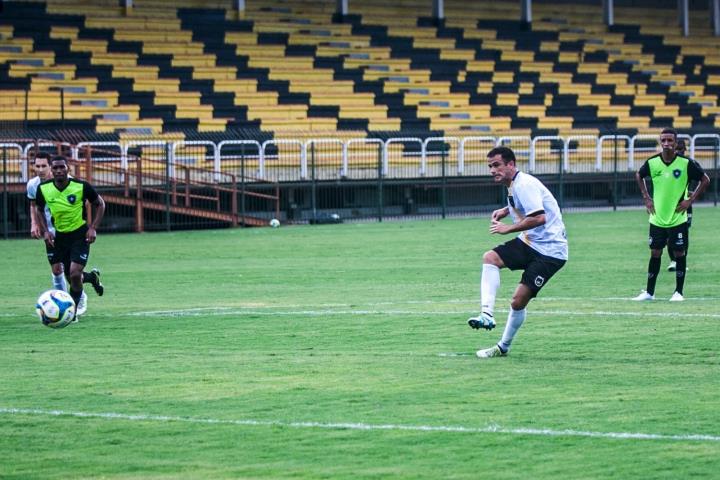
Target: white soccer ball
x=55, y=308
x=274, y=223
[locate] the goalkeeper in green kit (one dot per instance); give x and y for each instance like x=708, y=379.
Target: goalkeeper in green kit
x=670, y=175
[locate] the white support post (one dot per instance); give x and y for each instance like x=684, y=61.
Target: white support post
x=341, y=7
x=714, y=6
x=526, y=11
x=609, y=12
x=240, y=6
x=684, y=17
x=438, y=12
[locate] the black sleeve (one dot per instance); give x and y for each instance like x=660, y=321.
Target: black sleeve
x=644, y=170
x=39, y=198
x=695, y=170
x=89, y=192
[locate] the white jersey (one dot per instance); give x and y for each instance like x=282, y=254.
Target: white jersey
x=32, y=187
x=527, y=195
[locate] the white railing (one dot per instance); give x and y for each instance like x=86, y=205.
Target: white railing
x=302, y=155
x=21, y=158
x=466, y=146
x=454, y=141
x=401, y=140
x=333, y=155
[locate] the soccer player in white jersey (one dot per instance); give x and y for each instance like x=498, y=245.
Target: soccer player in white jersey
x=540, y=250
x=41, y=165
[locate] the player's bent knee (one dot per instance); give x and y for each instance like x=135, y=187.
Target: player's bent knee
x=521, y=297
x=491, y=257
x=519, y=303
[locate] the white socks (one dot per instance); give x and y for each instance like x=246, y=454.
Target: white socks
x=59, y=282
x=514, y=322
x=489, y=283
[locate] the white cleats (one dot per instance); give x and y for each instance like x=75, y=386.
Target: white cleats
x=644, y=297
x=484, y=320
x=677, y=297
x=82, y=306
x=493, y=351
x=672, y=267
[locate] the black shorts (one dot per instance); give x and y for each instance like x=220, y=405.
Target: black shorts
x=69, y=247
x=538, y=268
x=674, y=237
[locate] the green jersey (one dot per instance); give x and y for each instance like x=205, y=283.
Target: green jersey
x=67, y=205
x=670, y=187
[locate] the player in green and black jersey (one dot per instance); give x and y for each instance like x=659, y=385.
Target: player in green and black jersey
x=70, y=244
x=670, y=175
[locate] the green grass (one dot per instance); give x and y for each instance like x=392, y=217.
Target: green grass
x=365, y=324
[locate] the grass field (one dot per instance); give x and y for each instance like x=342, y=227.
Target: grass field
x=342, y=351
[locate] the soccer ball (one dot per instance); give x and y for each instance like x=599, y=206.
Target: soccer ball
x=274, y=223
x=55, y=308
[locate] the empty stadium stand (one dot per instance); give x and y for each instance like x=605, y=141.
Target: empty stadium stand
x=295, y=69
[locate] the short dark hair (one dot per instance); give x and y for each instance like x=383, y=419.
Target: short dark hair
x=680, y=146
x=42, y=155
x=59, y=158
x=505, y=153
x=669, y=130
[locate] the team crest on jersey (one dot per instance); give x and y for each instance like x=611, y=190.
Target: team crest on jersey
x=539, y=281
x=71, y=199
x=677, y=173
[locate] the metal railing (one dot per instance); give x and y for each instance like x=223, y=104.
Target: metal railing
x=304, y=179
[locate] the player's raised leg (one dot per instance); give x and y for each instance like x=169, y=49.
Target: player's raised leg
x=489, y=284
x=93, y=277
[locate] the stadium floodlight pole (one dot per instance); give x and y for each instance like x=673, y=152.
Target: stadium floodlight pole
x=609, y=12
x=683, y=17
x=526, y=11
x=714, y=6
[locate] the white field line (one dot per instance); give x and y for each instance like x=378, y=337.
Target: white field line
x=235, y=311
x=224, y=311
x=365, y=426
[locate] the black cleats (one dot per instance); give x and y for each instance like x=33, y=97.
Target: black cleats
x=93, y=278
